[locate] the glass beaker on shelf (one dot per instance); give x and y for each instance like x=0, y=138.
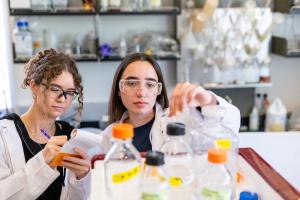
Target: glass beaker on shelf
x=290, y=34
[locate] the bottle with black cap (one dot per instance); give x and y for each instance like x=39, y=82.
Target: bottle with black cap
x=154, y=184
x=179, y=163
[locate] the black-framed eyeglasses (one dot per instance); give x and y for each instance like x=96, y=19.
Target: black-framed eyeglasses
x=55, y=91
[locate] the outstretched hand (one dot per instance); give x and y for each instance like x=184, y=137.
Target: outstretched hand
x=189, y=95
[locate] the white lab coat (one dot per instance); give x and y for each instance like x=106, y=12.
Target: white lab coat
x=158, y=133
x=20, y=180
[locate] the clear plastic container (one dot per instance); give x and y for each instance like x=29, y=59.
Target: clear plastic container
x=23, y=40
x=216, y=181
x=179, y=163
x=154, y=184
x=122, y=165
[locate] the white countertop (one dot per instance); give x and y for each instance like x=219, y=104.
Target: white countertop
x=281, y=150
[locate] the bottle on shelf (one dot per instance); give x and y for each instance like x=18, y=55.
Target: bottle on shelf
x=154, y=184
x=290, y=34
x=37, y=37
x=122, y=165
x=179, y=163
x=254, y=119
x=104, y=5
x=114, y=5
x=265, y=76
x=23, y=40
x=60, y=4
x=265, y=102
x=216, y=181
x=257, y=101
x=155, y=4
x=123, y=47
x=40, y=4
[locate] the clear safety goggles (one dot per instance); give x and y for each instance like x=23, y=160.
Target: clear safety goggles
x=151, y=88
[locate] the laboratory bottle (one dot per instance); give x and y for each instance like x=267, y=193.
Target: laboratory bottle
x=123, y=48
x=179, y=163
x=254, y=119
x=40, y=4
x=23, y=40
x=122, y=165
x=216, y=134
x=215, y=181
x=154, y=183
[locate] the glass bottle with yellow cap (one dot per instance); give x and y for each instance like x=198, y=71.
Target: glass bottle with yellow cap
x=122, y=165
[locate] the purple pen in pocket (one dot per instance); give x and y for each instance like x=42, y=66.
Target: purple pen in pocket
x=45, y=133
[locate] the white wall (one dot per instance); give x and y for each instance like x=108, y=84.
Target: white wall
x=285, y=74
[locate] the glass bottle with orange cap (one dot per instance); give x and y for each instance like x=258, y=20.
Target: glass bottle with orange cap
x=122, y=165
x=216, y=181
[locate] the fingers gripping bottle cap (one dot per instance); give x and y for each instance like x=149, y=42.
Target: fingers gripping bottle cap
x=175, y=129
x=217, y=156
x=122, y=131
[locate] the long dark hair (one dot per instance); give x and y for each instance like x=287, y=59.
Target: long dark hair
x=116, y=107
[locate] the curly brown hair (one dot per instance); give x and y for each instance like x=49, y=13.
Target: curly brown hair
x=49, y=64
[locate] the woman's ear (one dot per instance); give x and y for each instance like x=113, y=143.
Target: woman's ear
x=34, y=88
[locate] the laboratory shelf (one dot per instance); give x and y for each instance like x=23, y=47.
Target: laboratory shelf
x=162, y=11
x=118, y=58
x=30, y=12
x=236, y=86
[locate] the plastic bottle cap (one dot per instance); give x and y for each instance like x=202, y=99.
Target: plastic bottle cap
x=175, y=129
x=122, y=131
x=247, y=195
x=217, y=156
x=155, y=158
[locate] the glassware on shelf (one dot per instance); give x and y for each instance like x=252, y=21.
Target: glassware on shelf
x=88, y=5
x=23, y=40
x=114, y=4
x=104, y=5
x=155, y=4
x=290, y=34
x=40, y=4
x=60, y=4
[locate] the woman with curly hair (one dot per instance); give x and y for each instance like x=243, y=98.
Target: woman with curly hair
x=28, y=143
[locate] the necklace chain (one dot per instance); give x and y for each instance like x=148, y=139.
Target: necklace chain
x=36, y=136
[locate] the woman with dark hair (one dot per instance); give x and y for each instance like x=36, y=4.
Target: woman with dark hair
x=139, y=97
x=28, y=143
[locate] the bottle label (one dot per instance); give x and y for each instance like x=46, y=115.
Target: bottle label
x=223, y=144
x=175, y=181
x=216, y=194
x=127, y=175
x=154, y=196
